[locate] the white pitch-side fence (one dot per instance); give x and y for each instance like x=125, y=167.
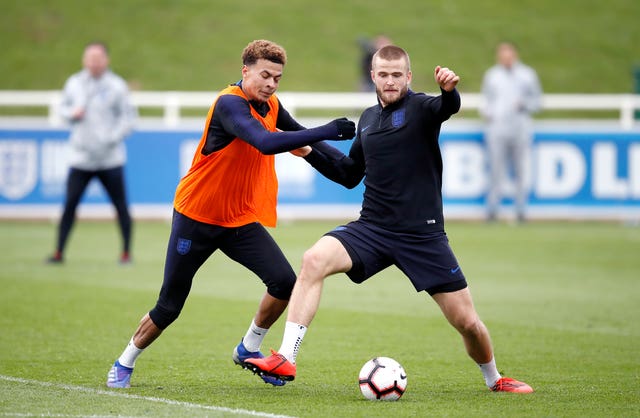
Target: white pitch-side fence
x=171, y=103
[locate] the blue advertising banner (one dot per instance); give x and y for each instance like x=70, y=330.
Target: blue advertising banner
x=573, y=174
x=595, y=172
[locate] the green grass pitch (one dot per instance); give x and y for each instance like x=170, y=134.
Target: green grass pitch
x=560, y=299
x=196, y=44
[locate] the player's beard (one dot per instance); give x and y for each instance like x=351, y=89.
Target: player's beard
x=391, y=97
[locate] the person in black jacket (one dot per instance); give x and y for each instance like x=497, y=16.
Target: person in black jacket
x=396, y=151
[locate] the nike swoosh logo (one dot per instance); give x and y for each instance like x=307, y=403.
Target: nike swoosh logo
x=455, y=270
x=364, y=129
x=403, y=376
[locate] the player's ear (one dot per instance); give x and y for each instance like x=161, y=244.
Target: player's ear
x=245, y=71
x=409, y=76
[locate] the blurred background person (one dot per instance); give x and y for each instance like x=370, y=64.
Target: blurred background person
x=511, y=93
x=96, y=103
x=368, y=47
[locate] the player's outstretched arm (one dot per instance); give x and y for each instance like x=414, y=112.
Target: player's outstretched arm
x=448, y=103
x=236, y=118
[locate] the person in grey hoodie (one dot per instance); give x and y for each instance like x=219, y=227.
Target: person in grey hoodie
x=97, y=105
x=511, y=93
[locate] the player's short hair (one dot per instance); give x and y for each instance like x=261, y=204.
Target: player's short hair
x=263, y=49
x=100, y=44
x=509, y=43
x=390, y=53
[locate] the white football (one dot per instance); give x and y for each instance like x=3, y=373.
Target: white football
x=382, y=378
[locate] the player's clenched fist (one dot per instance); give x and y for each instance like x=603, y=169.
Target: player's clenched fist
x=446, y=78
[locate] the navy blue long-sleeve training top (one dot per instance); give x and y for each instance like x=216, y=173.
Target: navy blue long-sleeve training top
x=396, y=150
x=232, y=119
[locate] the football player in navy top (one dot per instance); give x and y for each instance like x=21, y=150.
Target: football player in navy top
x=401, y=223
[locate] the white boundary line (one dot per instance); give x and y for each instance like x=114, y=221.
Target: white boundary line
x=48, y=415
x=144, y=398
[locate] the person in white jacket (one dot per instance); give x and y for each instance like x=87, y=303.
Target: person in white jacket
x=511, y=92
x=97, y=105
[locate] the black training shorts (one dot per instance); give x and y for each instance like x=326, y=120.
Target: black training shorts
x=427, y=258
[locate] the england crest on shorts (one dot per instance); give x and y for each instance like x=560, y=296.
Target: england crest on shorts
x=183, y=246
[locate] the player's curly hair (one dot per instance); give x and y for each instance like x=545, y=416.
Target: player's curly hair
x=263, y=49
x=390, y=53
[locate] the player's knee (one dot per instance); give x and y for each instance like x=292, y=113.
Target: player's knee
x=280, y=287
x=314, y=265
x=278, y=276
x=163, y=316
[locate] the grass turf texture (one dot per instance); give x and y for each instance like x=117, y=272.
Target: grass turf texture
x=576, y=45
x=559, y=298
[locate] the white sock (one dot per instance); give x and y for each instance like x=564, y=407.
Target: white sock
x=130, y=354
x=293, y=335
x=490, y=372
x=254, y=336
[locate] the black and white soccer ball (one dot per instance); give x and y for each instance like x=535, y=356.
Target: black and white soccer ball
x=382, y=378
